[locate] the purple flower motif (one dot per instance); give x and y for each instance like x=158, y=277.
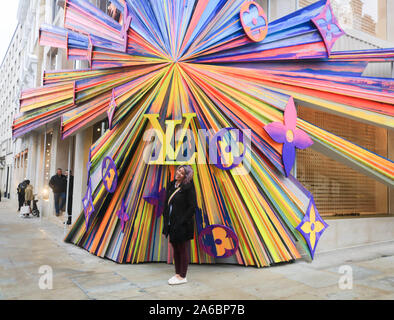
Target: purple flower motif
x=312, y=227
x=122, y=214
x=220, y=156
x=328, y=26
x=87, y=203
x=111, y=109
x=289, y=135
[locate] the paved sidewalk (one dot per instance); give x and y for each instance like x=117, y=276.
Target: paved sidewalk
x=28, y=244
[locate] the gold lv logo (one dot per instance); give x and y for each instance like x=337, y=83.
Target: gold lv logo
x=175, y=146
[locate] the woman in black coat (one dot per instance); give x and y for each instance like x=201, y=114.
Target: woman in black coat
x=179, y=209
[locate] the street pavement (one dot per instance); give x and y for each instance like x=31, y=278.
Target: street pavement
x=31, y=250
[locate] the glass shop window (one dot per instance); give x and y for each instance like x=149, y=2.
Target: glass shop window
x=47, y=157
x=339, y=190
x=99, y=129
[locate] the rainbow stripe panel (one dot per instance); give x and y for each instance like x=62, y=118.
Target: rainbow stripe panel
x=177, y=57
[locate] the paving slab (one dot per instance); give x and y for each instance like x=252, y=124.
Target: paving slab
x=29, y=244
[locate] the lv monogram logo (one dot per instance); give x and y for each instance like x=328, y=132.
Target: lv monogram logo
x=180, y=143
x=175, y=146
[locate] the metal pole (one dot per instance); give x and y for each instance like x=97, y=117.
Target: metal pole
x=68, y=215
x=43, y=171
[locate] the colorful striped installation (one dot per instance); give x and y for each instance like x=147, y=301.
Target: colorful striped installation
x=364, y=55
x=210, y=63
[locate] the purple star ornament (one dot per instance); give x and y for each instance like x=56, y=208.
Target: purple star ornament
x=328, y=26
x=289, y=135
x=122, y=214
x=111, y=109
x=312, y=227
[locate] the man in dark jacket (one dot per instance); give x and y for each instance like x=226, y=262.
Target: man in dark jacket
x=58, y=184
x=21, y=194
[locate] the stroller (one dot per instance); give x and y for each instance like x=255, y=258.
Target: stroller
x=35, y=212
x=26, y=209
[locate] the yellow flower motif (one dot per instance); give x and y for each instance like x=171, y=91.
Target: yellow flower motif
x=312, y=227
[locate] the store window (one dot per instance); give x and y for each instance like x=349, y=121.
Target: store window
x=99, y=129
x=339, y=190
x=47, y=157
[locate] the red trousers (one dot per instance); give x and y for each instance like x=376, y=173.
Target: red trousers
x=181, y=257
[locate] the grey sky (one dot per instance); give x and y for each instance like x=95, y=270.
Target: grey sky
x=8, y=24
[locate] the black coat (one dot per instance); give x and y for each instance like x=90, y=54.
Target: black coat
x=58, y=184
x=184, y=205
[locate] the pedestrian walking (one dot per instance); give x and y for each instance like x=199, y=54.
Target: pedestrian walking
x=58, y=184
x=179, y=210
x=21, y=194
x=29, y=195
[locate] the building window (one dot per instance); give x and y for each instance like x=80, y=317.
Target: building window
x=54, y=9
x=103, y=5
x=52, y=59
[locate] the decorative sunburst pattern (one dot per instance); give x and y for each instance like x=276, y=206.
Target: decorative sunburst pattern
x=179, y=57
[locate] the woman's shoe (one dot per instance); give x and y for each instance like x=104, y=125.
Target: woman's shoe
x=171, y=279
x=176, y=280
